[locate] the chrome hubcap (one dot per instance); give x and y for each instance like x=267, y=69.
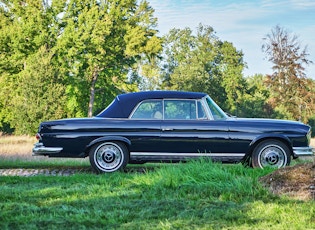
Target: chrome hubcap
x=108, y=156
x=272, y=156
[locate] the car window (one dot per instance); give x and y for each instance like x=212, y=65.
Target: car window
x=150, y=109
x=215, y=110
x=201, y=111
x=180, y=109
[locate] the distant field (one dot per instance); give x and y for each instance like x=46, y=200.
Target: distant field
x=19, y=149
x=16, y=144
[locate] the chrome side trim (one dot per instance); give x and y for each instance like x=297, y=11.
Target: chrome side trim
x=39, y=149
x=303, y=151
x=137, y=154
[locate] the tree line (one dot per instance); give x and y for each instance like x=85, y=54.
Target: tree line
x=70, y=58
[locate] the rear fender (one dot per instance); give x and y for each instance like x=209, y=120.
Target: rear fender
x=126, y=141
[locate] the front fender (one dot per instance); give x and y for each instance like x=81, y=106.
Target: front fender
x=268, y=136
x=108, y=138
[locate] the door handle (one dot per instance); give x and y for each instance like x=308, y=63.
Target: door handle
x=167, y=129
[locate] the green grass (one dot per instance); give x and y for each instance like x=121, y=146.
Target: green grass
x=194, y=195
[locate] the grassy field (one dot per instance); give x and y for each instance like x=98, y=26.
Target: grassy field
x=194, y=195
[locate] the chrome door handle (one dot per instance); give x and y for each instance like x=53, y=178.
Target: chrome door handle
x=167, y=129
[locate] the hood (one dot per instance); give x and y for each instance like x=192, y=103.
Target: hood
x=266, y=121
x=269, y=125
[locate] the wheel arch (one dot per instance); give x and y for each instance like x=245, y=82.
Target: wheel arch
x=262, y=138
x=124, y=140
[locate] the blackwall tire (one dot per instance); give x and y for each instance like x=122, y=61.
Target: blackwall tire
x=271, y=153
x=108, y=157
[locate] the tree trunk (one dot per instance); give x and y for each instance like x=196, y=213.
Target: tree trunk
x=92, y=91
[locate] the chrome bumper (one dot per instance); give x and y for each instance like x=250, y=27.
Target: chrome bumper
x=303, y=151
x=40, y=150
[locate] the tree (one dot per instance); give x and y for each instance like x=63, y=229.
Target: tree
x=38, y=95
x=202, y=62
x=289, y=86
x=27, y=33
x=79, y=52
x=254, y=101
x=146, y=72
x=100, y=42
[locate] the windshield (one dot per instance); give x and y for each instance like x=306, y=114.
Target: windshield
x=216, y=112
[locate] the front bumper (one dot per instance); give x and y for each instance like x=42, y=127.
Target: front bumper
x=40, y=150
x=303, y=151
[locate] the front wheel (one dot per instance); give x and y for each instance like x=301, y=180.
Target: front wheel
x=108, y=157
x=271, y=153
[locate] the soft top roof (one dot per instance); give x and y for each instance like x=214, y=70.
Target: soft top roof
x=123, y=104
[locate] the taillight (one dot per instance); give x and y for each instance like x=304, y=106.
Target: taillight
x=38, y=137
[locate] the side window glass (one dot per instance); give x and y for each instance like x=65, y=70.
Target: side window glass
x=149, y=110
x=201, y=111
x=180, y=109
x=215, y=110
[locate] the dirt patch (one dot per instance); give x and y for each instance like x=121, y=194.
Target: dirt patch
x=45, y=172
x=66, y=171
x=297, y=181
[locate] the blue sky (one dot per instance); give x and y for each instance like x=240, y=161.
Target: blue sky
x=244, y=23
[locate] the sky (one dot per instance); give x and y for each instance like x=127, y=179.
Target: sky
x=244, y=23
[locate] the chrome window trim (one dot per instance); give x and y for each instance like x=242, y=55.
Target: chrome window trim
x=204, y=109
x=207, y=109
x=201, y=100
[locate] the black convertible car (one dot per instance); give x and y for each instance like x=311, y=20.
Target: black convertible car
x=171, y=126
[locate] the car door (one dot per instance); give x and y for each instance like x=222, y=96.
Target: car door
x=144, y=127
x=186, y=132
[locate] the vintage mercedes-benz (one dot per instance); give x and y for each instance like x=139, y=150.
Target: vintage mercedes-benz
x=172, y=126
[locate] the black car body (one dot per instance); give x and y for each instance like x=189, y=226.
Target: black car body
x=171, y=126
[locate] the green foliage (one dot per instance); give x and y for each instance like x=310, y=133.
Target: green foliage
x=79, y=52
x=254, y=102
x=203, y=63
x=37, y=95
x=29, y=82
x=199, y=195
x=101, y=41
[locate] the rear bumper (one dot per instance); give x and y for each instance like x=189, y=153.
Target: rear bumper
x=40, y=150
x=303, y=151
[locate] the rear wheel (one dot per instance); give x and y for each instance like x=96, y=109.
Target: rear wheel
x=109, y=157
x=271, y=153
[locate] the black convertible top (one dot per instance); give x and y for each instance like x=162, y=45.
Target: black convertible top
x=123, y=104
